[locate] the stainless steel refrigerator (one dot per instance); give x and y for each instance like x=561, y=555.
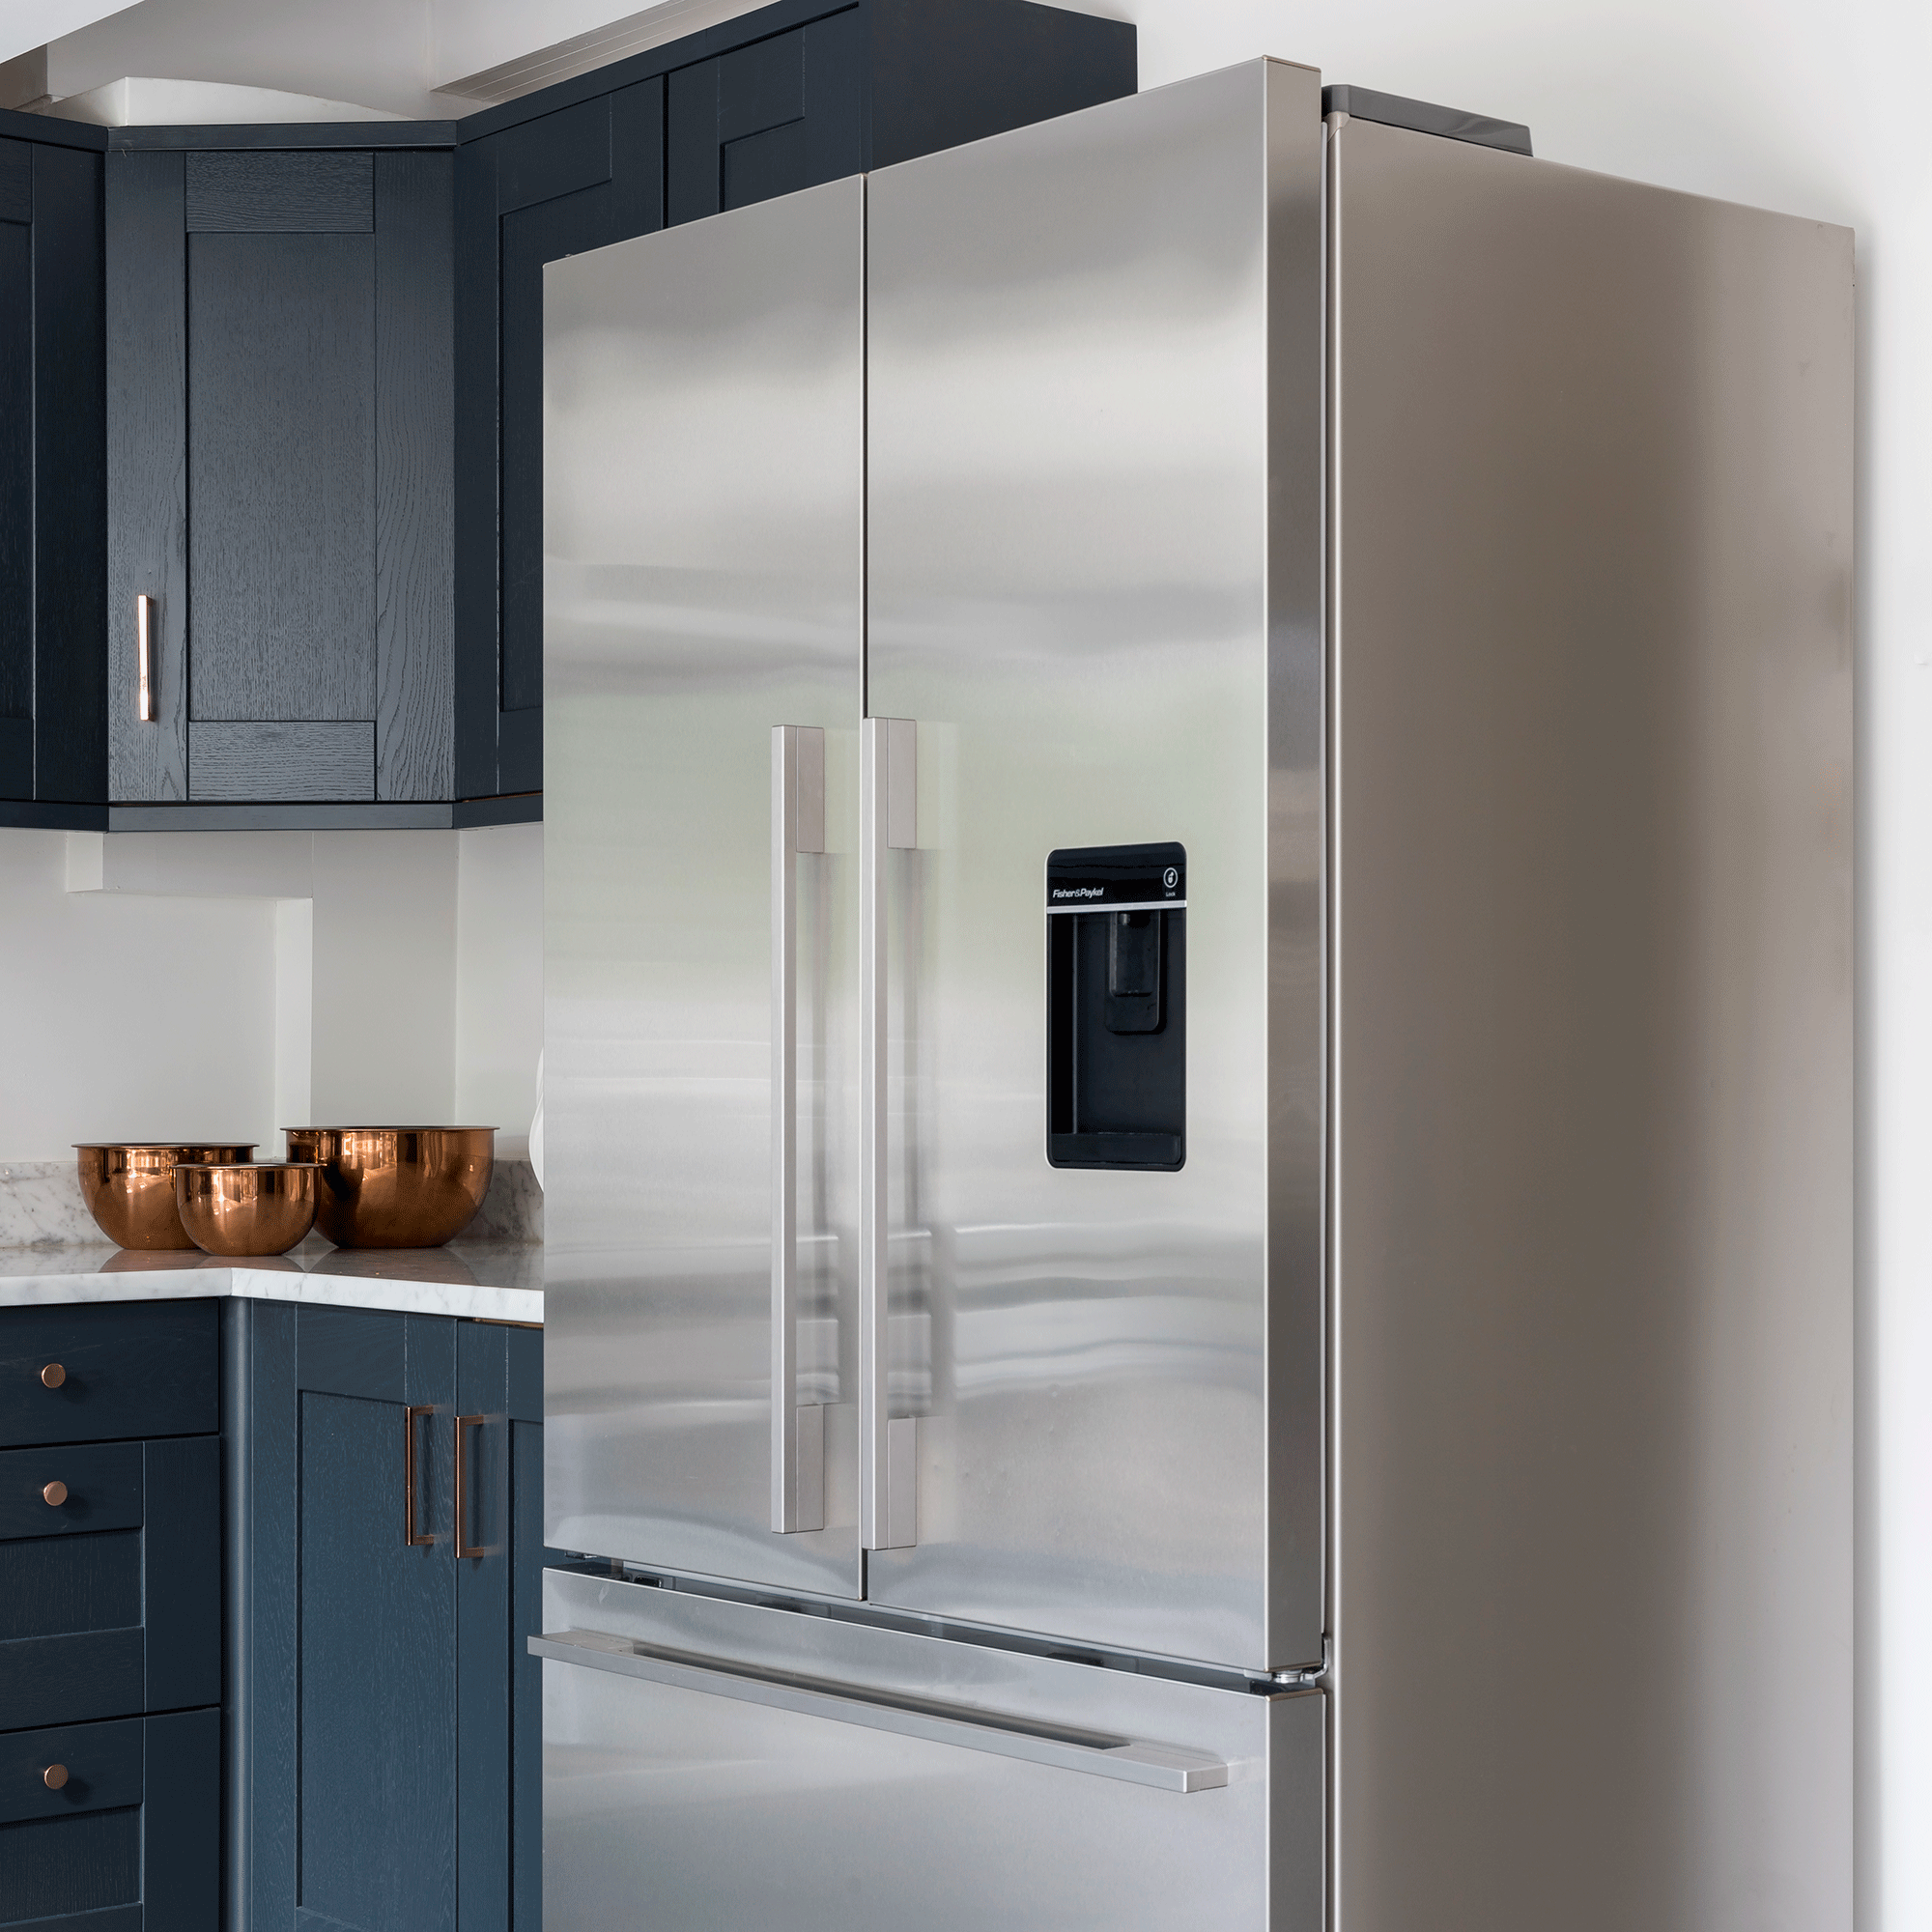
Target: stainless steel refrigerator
x=1198, y=951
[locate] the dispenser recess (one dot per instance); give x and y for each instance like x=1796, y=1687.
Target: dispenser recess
x=1117, y=1006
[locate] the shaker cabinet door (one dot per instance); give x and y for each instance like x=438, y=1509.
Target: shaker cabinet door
x=388, y=1780
x=52, y=514
x=281, y=410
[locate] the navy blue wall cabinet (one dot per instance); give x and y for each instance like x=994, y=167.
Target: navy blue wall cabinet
x=382, y=1778
x=778, y=99
x=54, y=529
x=280, y=408
x=323, y=415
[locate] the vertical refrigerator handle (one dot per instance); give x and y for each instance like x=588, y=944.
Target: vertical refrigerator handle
x=887, y=1445
x=798, y=825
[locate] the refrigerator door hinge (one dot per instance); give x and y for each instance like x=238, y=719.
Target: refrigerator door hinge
x=1307, y=1676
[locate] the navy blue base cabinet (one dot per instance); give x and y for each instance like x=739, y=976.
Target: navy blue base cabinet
x=383, y=1739
x=110, y=1617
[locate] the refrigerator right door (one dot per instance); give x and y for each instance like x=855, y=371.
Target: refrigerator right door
x=1094, y=395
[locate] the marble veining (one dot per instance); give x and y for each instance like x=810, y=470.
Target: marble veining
x=41, y=1204
x=513, y=1209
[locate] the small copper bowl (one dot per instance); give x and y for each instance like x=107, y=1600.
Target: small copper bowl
x=397, y=1188
x=128, y=1186
x=253, y=1208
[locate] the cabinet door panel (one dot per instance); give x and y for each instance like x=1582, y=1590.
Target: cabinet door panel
x=281, y=762
x=16, y=503
x=377, y=1708
x=147, y=472
x=281, y=194
x=281, y=467
x=416, y=506
x=69, y=497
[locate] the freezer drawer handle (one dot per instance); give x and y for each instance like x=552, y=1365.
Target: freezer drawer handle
x=888, y=1444
x=1131, y=1760
x=797, y=1430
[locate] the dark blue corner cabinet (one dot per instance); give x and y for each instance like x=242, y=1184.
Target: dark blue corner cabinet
x=271, y=413
x=264, y=1577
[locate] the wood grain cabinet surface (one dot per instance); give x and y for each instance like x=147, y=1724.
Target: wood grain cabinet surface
x=52, y=488
x=387, y=1731
x=111, y=1574
x=297, y=379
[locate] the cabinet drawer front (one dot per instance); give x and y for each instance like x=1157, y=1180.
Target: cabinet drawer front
x=118, y=1612
x=127, y=1368
x=102, y=1764
x=69, y=1489
x=131, y=1841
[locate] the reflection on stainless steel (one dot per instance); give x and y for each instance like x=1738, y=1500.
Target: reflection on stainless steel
x=700, y=1784
x=1593, y=1171
x=128, y=1187
x=888, y=1442
x=704, y=417
x=1094, y=374
x=798, y=833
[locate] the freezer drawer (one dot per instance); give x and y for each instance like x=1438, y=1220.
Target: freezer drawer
x=710, y=1763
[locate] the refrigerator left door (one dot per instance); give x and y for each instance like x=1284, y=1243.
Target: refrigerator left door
x=703, y=538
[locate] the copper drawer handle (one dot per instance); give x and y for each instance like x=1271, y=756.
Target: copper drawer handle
x=414, y=1537
x=54, y=1776
x=53, y=1494
x=465, y=1548
x=145, y=611
x=53, y=1376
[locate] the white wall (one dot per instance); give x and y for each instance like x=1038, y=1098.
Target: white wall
x=499, y=979
x=161, y=984
x=129, y=1019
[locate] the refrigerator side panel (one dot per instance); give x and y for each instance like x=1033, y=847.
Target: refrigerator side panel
x=1593, y=808
x=714, y=1802
x=704, y=411
x=1069, y=599
x=1296, y=863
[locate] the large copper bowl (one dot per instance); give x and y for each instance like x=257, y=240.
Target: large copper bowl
x=257, y=1207
x=397, y=1188
x=130, y=1189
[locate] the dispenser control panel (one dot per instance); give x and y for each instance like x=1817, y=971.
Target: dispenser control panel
x=1117, y=1006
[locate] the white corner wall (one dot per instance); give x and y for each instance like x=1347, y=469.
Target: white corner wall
x=229, y=984
x=128, y=1018
x=499, y=979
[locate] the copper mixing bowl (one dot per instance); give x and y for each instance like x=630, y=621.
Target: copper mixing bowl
x=252, y=1208
x=397, y=1188
x=128, y=1186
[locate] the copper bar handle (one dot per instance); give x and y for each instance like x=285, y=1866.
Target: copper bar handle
x=414, y=1537
x=797, y=1430
x=465, y=1548
x=144, y=657
x=888, y=1446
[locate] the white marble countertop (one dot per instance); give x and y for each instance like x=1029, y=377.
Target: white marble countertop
x=487, y=1281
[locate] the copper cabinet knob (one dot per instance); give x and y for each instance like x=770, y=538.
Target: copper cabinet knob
x=55, y=1494
x=53, y=1375
x=54, y=1776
